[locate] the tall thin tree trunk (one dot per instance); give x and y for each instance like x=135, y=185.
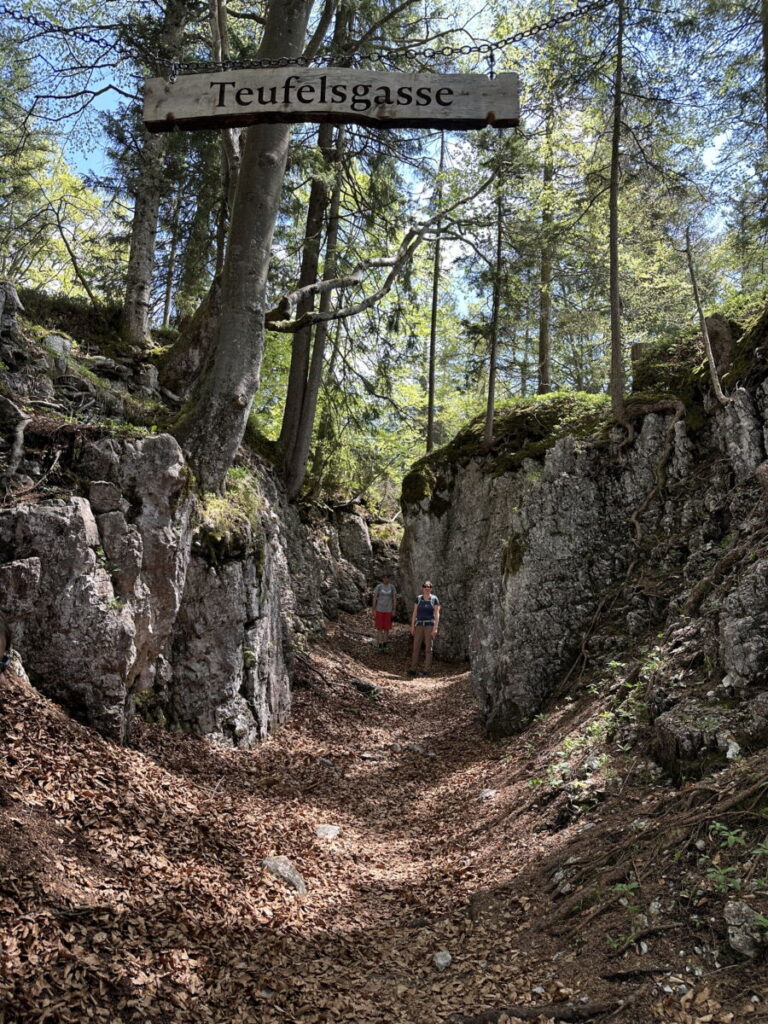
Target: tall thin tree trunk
x=713, y=374
x=214, y=428
x=325, y=429
x=764, y=39
x=310, y=263
x=617, y=376
x=494, y=337
x=435, y=296
x=545, y=273
x=296, y=467
x=172, y=260
x=137, y=303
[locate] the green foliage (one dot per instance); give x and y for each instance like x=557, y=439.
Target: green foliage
x=75, y=316
x=525, y=428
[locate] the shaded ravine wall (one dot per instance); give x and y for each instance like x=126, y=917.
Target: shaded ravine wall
x=118, y=601
x=525, y=560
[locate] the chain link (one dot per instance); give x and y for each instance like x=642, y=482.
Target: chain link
x=583, y=7
x=50, y=28
x=178, y=67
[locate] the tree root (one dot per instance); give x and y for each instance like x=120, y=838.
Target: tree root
x=651, y=930
x=560, y=1011
x=731, y=558
x=660, y=469
x=12, y=416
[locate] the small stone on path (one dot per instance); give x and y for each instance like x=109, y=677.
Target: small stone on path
x=327, y=831
x=488, y=794
x=369, y=689
x=282, y=868
x=442, y=959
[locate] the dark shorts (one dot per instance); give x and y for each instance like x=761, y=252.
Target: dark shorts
x=383, y=620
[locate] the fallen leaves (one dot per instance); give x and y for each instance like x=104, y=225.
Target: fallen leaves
x=131, y=885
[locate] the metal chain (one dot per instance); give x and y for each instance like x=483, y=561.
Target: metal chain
x=177, y=67
x=51, y=28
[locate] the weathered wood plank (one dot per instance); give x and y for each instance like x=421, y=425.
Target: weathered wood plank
x=384, y=99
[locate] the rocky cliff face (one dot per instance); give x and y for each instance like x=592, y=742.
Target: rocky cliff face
x=122, y=592
x=534, y=545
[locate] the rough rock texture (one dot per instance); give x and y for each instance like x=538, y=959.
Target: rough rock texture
x=92, y=598
x=526, y=561
x=120, y=599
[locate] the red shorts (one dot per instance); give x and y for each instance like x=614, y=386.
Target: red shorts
x=383, y=620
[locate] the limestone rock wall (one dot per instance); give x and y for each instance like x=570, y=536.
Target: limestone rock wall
x=527, y=560
x=115, y=602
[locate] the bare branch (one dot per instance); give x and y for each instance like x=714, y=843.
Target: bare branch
x=318, y=35
x=413, y=238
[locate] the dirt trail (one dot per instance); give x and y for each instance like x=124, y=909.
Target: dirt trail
x=132, y=885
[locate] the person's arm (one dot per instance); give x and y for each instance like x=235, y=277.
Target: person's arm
x=437, y=619
x=374, y=598
x=413, y=617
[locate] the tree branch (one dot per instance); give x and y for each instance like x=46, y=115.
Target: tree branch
x=275, y=318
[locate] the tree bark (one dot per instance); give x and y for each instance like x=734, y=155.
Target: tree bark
x=617, y=377
x=713, y=375
x=310, y=265
x=214, y=427
x=435, y=296
x=296, y=464
x=545, y=273
x=171, y=260
x=137, y=303
x=491, y=403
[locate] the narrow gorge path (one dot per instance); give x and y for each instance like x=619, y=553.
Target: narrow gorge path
x=426, y=836
x=133, y=887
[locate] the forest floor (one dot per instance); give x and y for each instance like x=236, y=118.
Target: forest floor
x=132, y=886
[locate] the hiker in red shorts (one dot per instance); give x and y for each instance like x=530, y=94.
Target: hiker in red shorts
x=384, y=599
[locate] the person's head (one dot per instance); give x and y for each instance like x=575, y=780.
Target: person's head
x=5, y=642
x=426, y=586
x=385, y=577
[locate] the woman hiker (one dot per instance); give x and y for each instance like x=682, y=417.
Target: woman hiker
x=383, y=604
x=425, y=621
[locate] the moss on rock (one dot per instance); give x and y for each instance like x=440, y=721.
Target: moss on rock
x=750, y=357
x=524, y=428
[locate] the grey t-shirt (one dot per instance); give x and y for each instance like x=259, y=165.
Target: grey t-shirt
x=384, y=597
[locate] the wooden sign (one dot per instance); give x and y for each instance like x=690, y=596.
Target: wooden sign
x=386, y=100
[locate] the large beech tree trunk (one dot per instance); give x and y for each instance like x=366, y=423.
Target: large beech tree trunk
x=137, y=303
x=214, y=426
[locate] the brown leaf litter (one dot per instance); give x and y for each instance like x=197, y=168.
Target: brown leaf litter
x=132, y=887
